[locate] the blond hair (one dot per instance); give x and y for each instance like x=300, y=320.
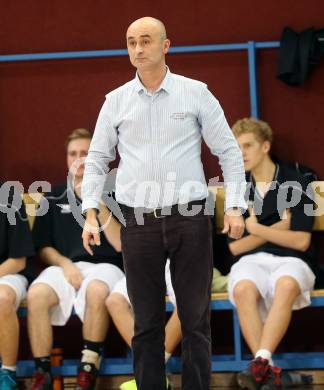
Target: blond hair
x=260, y=129
x=78, y=134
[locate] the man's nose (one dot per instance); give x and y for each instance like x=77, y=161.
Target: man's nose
x=138, y=48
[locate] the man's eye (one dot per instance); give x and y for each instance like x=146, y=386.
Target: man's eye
x=146, y=42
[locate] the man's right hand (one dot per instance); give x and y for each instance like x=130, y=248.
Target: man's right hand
x=91, y=233
x=72, y=274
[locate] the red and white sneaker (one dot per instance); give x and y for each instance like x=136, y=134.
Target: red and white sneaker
x=273, y=381
x=42, y=380
x=255, y=375
x=87, y=376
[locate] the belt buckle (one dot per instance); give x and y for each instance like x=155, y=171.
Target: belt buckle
x=156, y=215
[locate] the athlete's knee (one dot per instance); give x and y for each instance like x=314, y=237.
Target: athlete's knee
x=116, y=303
x=40, y=296
x=97, y=292
x=245, y=291
x=7, y=300
x=287, y=286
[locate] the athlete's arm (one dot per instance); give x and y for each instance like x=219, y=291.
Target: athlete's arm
x=12, y=266
x=288, y=238
x=72, y=273
x=253, y=241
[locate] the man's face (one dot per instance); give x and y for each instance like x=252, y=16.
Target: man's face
x=77, y=151
x=146, y=46
x=254, y=151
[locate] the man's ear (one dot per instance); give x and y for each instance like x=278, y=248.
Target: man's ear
x=266, y=146
x=166, y=45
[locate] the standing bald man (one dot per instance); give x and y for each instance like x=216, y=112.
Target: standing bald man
x=157, y=121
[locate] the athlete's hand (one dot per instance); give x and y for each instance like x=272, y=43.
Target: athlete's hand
x=233, y=223
x=91, y=232
x=72, y=274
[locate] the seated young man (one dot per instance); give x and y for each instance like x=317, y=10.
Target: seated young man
x=270, y=277
x=119, y=307
x=15, y=246
x=74, y=278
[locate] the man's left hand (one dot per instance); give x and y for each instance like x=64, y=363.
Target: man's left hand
x=91, y=231
x=233, y=223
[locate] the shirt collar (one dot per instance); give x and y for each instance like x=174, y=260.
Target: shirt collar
x=165, y=85
x=250, y=178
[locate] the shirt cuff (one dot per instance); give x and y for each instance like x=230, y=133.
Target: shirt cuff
x=239, y=203
x=235, y=195
x=90, y=204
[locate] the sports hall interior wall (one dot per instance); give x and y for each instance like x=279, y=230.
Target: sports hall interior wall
x=42, y=101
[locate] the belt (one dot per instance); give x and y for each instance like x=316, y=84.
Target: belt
x=162, y=212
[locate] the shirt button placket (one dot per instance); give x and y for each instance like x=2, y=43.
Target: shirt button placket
x=153, y=140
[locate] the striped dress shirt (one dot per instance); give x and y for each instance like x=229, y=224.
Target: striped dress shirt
x=159, y=136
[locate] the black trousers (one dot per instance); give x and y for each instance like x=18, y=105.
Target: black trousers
x=187, y=242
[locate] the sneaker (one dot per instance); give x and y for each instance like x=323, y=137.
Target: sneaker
x=131, y=385
x=253, y=377
x=293, y=379
x=87, y=376
x=8, y=380
x=42, y=380
x=273, y=381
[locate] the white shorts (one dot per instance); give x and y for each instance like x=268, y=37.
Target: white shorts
x=264, y=270
x=18, y=283
x=121, y=287
x=68, y=296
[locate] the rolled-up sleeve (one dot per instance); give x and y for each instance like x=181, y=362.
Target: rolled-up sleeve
x=101, y=152
x=222, y=143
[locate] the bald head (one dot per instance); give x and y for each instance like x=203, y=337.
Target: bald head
x=152, y=24
x=147, y=45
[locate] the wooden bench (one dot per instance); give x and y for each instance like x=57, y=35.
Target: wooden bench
x=219, y=301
